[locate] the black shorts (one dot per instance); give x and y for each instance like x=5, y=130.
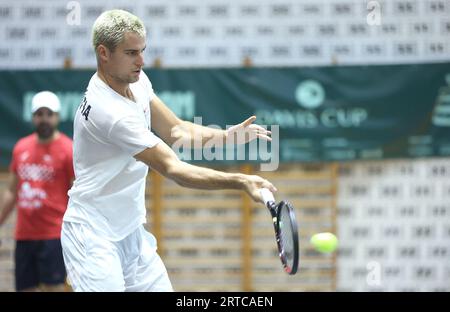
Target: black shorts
x=39, y=262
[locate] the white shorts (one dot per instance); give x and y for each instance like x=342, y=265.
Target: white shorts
x=97, y=264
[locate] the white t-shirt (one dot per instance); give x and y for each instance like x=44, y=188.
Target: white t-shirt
x=109, y=188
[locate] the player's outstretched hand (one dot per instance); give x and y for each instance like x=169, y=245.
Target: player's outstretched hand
x=247, y=131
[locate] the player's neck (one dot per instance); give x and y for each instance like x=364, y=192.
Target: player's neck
x=123, y=88
x=53, y=137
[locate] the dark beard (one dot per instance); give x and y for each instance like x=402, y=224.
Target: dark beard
x=44, y=131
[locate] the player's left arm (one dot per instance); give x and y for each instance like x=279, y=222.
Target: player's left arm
x=172, y=129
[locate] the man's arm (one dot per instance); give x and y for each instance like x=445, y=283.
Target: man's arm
x=172, y=129
x=9, y=198
x=165, y=161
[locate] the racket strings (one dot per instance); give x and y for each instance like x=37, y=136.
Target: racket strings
x=286, y=236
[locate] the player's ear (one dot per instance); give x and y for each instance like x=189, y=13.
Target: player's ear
x=102, y=53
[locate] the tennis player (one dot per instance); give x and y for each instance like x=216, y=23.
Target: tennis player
x=104, y=243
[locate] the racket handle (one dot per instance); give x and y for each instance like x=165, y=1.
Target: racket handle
x=267, y=196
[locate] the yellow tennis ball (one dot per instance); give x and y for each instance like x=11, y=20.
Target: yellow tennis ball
x=324, y=242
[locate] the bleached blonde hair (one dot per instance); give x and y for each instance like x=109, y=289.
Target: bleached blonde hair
x=110, y=28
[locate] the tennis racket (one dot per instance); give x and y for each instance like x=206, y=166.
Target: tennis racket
x=286, y=233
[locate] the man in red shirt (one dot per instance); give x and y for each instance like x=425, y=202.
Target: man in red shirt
x=41, y=173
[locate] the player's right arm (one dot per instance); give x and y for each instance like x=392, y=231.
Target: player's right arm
x=165, y=161
x=8, y=200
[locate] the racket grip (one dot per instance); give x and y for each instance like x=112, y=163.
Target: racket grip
x=266, y=195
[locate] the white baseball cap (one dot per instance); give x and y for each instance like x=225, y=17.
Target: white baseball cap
x=45, y=99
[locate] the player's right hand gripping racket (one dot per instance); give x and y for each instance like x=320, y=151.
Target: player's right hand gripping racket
x=286, y=232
